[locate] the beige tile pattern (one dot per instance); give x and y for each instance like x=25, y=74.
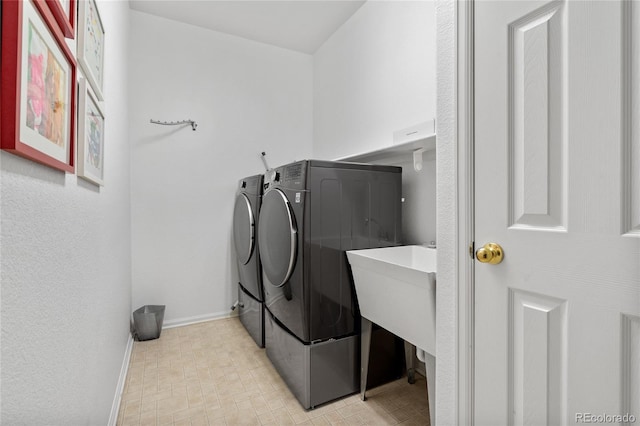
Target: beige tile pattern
x=212, y=373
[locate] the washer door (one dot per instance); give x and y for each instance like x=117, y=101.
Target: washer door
x=277, y=237
x=244, y=226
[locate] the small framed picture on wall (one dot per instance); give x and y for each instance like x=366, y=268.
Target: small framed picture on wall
x=90, y=135
x=38, y=86
x=91, y=45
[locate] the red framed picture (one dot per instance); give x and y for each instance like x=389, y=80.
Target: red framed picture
x=64, y=13
x=38, y=98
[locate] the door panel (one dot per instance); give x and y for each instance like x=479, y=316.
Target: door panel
x=537, y=171
x=631, y=117
x=556, y=326
x=538, y=358
x=630, y=364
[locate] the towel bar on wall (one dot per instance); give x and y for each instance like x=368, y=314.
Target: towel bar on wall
x=176, y=123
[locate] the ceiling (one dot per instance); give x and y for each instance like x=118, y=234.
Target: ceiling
x=301, y=25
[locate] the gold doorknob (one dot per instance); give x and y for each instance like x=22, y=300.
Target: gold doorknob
x=490, y=253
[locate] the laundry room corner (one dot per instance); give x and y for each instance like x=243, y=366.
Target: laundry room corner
x=246, y=97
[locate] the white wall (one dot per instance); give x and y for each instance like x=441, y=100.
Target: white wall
x=374, y=76
x=419, y=193
x=246, y=97
x=419, y=208
x=66, y=270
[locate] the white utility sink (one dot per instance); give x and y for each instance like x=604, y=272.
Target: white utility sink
x=396, y=289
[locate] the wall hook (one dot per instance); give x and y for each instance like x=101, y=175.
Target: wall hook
x=176, y=123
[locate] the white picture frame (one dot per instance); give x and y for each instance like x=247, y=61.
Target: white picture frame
x=90, y=161
x=90, y=50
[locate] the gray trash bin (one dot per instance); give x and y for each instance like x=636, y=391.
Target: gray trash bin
x=147, y=322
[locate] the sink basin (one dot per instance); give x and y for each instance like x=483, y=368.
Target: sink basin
x=395, y=287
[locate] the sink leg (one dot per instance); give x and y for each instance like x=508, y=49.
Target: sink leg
x=430, y=367
x=365, y=345
x=409, y=350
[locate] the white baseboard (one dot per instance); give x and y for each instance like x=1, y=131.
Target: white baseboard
x=199, y=318
x=117, y=399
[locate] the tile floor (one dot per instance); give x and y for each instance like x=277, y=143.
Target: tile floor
x=212, y=373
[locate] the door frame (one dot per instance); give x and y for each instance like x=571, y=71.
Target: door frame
x=455, y=201
x=465, y=111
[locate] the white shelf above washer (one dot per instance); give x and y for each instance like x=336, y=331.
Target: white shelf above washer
x=427, y=143
x=407, y=141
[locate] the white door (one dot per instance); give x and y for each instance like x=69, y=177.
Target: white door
x=557, y=185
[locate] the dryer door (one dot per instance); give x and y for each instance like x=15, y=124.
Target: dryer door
x=243, y=229
x=277, y=237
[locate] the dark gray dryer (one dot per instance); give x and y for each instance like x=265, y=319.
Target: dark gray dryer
x=245, y=223
x=312, y=212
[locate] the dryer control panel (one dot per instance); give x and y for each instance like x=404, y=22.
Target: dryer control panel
x=295, y=175
x=290, y=176
x=251, y=185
